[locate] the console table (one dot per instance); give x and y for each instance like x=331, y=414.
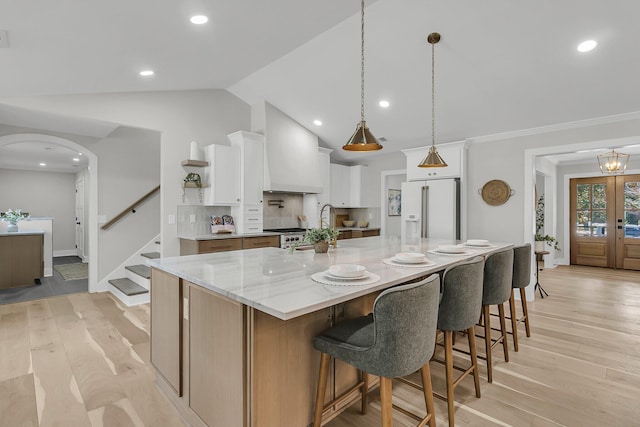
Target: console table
x=21, y=258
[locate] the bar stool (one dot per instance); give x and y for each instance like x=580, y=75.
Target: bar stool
x=460, y=306
x=496, y=290
x=397, y=339
x=521, y=279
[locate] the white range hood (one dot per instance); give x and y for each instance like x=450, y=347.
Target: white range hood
x=291, y=152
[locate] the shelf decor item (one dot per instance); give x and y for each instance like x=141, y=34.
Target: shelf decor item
x=190, y=181
x=496, y=192
x=12, y=217
x=541, y=239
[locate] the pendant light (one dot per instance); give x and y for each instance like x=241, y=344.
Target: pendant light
x=433, y=159
x=362, y=139
x=613, y=163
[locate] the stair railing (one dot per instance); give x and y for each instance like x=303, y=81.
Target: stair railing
x=131, y=208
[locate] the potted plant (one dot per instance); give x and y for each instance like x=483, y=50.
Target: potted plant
x=541, y=239
x=12, y=217
x=320, y=238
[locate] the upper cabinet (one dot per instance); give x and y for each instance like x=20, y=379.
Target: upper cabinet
x=348, y=186
x=222, y=175
x=251, y=146
x=325, y=175
x=452, y=154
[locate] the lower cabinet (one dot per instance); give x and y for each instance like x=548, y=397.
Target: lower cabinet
x=193, y=247
x=222, y=363
x=354, y=234
x=166, y=332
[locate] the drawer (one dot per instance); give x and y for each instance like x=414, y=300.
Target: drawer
x=253, y=210
x=345, y=234
x=370, y=233
x=219, y=245
x=252, y=228
x=261, y=242
x=252, y=219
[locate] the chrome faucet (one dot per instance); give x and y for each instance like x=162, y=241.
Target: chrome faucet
x=331, y=218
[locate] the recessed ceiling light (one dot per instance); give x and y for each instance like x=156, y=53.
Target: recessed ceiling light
x=147, y=73
x=384, y=103
x=43, y=164
x=79, y=154
x=199, y=19
x=317, y=122
x=587, y=45
x=75, y=159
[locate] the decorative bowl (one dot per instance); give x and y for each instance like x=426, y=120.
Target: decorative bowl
x=363, y=224
x=477, y=242
x=347, y=270
x=450, y=249
x=348, y=223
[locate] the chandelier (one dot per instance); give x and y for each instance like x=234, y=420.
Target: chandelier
x=613, y=163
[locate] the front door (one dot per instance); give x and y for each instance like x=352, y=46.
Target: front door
x=604, y=221
x=80, y=219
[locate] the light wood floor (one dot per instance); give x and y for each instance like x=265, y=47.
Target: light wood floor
x=82, y=360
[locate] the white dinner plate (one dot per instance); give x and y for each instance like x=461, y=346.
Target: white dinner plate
x=330, y=276
x=347, y=271
x=450, y=249
x=409, y=257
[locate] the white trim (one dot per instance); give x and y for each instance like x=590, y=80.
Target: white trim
x=557, y=127
x=120, y=271
x=383, y=196
x=65, y=252
x=93, y=193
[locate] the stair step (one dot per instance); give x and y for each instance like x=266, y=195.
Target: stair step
x=140, y=270
x=128, y=287
x=151, y=255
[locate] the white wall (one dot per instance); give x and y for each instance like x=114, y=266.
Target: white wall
x=43, y=194
x=393, y=224
x=504, y=158
x=205, y=116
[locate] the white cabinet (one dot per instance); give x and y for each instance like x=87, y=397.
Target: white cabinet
x=248, y=214
x=452, y=154
x=340, y=186
x=222, y=175
x=348, y=186
x=325, y=175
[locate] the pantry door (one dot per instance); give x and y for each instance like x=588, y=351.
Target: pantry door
x=627, y=222
x=605, y=221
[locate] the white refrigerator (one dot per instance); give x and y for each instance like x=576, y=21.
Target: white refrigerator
x=431, y=209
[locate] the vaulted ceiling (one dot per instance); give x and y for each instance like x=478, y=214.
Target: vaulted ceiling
x=501, y=65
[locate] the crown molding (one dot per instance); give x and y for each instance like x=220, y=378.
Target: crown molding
x=556, y=128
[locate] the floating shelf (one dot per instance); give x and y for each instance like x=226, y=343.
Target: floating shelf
x=193, y=185
x=196, y=163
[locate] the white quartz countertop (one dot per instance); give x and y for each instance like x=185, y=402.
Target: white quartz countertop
x=279, y=283
x=210, y=236
x=21, y=232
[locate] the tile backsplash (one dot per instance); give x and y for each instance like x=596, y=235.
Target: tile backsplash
x=281, y=210
x=201, y=225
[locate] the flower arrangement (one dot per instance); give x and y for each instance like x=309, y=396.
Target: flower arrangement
x=13, y=216
x=550, y=240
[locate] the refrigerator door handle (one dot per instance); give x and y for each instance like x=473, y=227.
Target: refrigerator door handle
x=425, y=212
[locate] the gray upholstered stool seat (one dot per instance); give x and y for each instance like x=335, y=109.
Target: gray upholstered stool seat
x=496, y=290
x=521, y=279
x=397, y=339
x=460, y=307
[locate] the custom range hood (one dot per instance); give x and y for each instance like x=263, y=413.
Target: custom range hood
x=291, y=152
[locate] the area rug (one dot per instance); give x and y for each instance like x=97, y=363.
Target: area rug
x=75, y=271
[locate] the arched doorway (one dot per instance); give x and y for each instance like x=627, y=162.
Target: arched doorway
x=92, y=228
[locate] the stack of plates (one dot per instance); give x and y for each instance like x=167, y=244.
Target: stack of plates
x=449, y=250
x=346, y=272
x=476, y=243
x=408, y=259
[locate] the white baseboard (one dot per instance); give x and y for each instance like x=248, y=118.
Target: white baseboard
x=66, y=252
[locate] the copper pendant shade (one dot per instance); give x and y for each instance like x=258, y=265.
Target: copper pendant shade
x=433, y=159
x=362, y=139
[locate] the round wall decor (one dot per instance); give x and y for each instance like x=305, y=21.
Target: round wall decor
x=496, y=192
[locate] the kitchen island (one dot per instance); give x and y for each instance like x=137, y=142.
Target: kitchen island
x=231, y=332
x=21, y=258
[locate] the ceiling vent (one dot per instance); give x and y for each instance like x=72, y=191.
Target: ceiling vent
x=4, y=39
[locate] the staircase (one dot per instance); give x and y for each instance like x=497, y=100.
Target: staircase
x=133, y=289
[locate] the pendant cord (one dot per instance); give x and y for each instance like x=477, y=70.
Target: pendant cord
x=362, y=61
x=433, y=97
